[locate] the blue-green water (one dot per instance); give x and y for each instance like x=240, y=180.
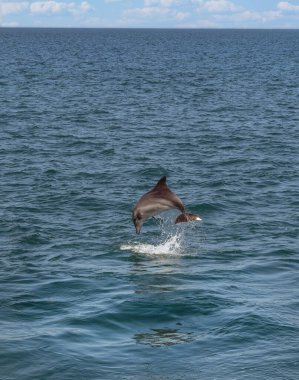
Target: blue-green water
x=90, y=120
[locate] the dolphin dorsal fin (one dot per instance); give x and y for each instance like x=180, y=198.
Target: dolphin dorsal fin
x=161, y=184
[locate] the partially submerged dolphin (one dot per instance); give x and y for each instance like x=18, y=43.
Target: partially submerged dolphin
x=157, y=200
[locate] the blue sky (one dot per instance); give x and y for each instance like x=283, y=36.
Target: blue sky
x=151, y=13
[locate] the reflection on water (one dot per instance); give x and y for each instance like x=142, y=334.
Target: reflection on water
x=163, y=337
x=154, y=288
x=156, y=273
x=159, y=276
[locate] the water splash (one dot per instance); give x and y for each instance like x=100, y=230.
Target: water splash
x=171, y=241
x=172, y=245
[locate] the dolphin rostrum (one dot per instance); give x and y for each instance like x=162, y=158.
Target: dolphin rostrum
x=157, y=200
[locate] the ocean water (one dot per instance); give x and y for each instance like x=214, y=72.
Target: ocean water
x=89, y=121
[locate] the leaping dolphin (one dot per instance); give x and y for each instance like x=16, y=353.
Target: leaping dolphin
x=157, y=200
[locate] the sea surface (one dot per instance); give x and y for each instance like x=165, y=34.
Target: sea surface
x=89, y=121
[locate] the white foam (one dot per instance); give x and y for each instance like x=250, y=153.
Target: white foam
x=172, y=245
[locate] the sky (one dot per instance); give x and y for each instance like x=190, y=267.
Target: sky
x=150, y=13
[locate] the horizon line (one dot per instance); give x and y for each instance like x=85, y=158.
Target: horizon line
x=147, y=28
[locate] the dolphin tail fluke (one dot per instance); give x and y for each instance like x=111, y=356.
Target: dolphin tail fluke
x=186, y=217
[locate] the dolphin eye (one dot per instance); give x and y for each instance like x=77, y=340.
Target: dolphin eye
x=137, y=217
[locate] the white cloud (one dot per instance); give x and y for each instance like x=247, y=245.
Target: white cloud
x=37, y=7
x=158, y=8
x=7, y=8
x=56, y=7
x=146, y=11
x=85, y=6
x=181, y=15
x=46, y=6
x=260, y=16
x=157, y=11
x=225, y=11
x=247, y=15
x=285, y=6
x=216, y=6
x=175, y=13
x=162, y=3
